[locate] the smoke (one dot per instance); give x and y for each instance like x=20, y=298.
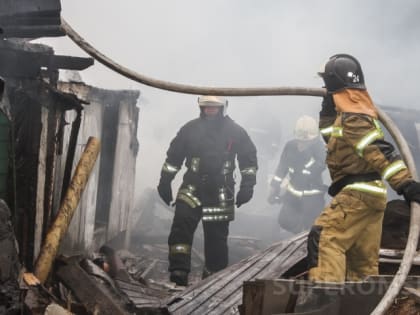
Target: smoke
x=243, y=43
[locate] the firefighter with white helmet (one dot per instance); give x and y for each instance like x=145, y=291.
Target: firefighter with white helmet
x=299, y=172
x=210, y=146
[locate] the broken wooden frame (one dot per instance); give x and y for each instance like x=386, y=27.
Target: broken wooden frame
x=66, y=211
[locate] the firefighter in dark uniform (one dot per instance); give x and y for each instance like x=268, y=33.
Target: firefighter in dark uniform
x=209, y=146
x=299, y=172
x=344, y=241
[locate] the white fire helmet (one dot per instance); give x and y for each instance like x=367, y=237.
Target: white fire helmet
x=306, y=128
x=210, y=100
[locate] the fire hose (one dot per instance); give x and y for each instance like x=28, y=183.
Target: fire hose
x=414, y=230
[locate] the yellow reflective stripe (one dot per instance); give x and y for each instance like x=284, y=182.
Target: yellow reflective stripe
x=217, y=217
x=377, y=125
x=393, y=169
x=213, y=210
x=334, y=131
x=189, y=198
x=310, y=163
x=326, y=130
x=169, y=168
x=277, y=179
x=368, y=139
x=249, y=171
x=195, y=162
x=180, y=249
x=367, y=188
x=337, y=132
x=301, y=193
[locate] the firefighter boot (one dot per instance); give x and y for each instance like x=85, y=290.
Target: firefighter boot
x=180, y=277
x=206, y=273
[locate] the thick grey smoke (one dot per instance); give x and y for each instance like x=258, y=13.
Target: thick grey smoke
x=243, y=43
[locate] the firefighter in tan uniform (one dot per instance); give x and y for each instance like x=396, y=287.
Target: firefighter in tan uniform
x=344, y=241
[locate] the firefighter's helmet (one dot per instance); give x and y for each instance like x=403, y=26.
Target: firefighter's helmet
x=342, y=71
x=306, y=128
x=217, y=101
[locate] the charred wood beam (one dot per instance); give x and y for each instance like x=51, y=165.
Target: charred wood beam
x=19, y=63
x=88, y=291
x=75, y=127
x=67, y=209
x=13, y=7
x=25, y=31
x=30, y=18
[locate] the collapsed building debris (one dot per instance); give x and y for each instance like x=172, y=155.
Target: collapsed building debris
x=39, y=150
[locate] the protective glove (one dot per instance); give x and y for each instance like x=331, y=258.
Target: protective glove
x=411, y=191
x=273, y=199
x=244, y=195
x=165, y=191
x=274, y=196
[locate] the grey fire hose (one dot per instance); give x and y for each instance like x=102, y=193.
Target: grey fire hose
x=414, y=230
x=413, y=235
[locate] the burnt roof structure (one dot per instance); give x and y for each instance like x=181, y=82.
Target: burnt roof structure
x=30, y=18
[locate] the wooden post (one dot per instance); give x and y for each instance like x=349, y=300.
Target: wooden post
x=67, y=209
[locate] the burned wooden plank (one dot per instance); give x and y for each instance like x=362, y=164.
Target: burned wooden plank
x=270, y=269
x=222, y=292
x=95, y=296
x=67, y=62
x=20, y=63
x=253, y=298
x=268, y=297
x=144, y=298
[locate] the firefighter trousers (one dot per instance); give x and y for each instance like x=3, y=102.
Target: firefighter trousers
x=181, y=237
x=299, y=213
x=344, y=241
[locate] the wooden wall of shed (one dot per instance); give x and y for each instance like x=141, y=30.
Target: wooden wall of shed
x=80, y=233
x=124, y=170
x=107, y=201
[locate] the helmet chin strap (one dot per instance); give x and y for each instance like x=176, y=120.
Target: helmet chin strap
x=216, y=117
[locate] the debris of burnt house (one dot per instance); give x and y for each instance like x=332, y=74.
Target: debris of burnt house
x=105, y=208
x=33, y=114
x=30, y=18
x=9, y=262
x=44, y=126
x=39, y=147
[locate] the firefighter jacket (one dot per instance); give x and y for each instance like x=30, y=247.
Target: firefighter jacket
x=303, y=168
x=356, y=150
x=209, y=149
